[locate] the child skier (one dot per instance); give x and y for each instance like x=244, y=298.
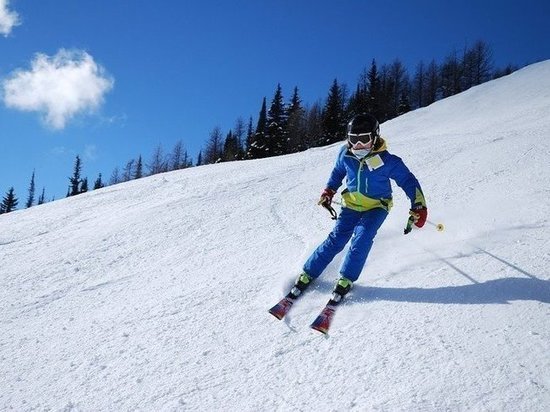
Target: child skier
x=367, y=199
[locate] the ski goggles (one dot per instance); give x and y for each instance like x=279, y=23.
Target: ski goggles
x=365, y=140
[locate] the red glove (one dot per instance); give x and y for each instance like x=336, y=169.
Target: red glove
x=326, y=197
x=420, y=214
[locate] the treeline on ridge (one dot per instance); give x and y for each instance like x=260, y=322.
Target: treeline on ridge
x=386, y=91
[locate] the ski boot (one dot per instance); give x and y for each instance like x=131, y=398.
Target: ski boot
x=282, y=308
x=323, y=321
x=341, y=289
x=300, y=286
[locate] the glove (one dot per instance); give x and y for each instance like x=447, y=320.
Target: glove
x=326, y=197
x=419, y=214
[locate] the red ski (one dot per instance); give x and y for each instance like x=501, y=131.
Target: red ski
x=282, y=308
x=323, y=321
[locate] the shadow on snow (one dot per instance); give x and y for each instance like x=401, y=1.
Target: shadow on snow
x=498, y=291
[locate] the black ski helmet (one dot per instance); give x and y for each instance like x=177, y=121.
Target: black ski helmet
x=363, y=124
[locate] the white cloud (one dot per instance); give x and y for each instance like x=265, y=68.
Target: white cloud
x=58, y=151
x=58, y=87
x=90, y=152
x=8, y=19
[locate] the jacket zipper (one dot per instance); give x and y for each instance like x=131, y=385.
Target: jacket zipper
x=361, y=164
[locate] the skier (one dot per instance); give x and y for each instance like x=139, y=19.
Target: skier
x=368, y=168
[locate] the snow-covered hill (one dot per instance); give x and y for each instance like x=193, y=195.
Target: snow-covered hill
x=153, y=295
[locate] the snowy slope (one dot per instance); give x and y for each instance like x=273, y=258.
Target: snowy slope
x=153, y=295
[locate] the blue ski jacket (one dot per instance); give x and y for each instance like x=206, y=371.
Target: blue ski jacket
x=368, y=179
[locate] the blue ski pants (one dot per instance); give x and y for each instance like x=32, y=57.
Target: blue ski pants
x=361, y=228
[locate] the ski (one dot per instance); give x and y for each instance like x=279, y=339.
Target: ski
x=281, y=309
x=323, y=321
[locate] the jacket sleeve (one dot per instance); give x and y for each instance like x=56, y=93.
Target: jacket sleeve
x=338, y=171
x=407, y=181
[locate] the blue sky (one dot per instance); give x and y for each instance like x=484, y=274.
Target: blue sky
x=110, y=80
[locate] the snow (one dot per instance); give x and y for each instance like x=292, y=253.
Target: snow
x=153, y=295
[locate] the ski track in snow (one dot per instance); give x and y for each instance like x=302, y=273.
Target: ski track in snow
x=153, y=295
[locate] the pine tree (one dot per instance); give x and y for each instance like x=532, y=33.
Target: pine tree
x=404, y=105
x=276, y=134
x=509, y=69
x=214, y=147
x=386, y=111
x=9, y=203
x=199, y=159
x=296, y=124
x=187, y=161
x=176, y=158
x=396, y=84
x=158, y=162
x=451, y=76
x=230, y=148
x=249, y=138
x=128, y=171
x=98, y=184
x=419, y=86
x=74, y=186
x=138, y=173
x=432, y=84
x=257, y=149
x=333, y=115
x=179, y=158
x=42, y=197
x=477, y=65
x=374, y=92
x=239, y=133
x=115, y=177
x=359, y=100
x=30, y=198
x=314, y=126
x=84, y=186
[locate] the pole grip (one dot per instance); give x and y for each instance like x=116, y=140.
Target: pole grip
x=408, y=228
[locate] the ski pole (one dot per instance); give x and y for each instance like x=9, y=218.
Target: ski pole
x=440, y=227
x=409, y=226
x=410, y=221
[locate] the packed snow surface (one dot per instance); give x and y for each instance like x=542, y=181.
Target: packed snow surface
x=153, y=295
